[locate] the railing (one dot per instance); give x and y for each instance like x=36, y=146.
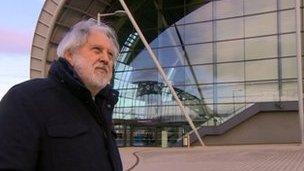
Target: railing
x=219, y=118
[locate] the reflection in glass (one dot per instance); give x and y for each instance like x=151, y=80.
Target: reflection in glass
x=230, y=51
x=288, y=44
x=219, y=62
x=287, y=21
x=229, y=29
x=289, y=90
x=204, y=13
x=229, y=8
x=261, y=91
x=261, y=70
x=258, y=6
x=170, y=57
x=196, y=33
x=229, y=72
x=289, y=67
x=204, y=73
x=200, y=53
x=286, y=4
x=263, y=47
x=207, y=92
x=166, y=38
x=231, y=93
x=261, y=25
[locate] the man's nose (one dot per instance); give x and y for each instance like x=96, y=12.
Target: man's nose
x=105, y=58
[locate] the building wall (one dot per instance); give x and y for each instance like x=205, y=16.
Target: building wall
x=263, y=128
x=222, y=56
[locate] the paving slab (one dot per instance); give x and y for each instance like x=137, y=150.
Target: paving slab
x=289, y=157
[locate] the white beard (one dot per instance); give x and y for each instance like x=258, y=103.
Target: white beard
x=92, y=78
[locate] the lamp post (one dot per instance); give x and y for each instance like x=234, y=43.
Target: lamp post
x=117, y=13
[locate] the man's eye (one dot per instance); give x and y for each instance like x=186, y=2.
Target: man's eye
x=111, y=55
x=96, y=50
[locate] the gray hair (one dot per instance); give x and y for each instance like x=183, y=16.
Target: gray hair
x=78, y=35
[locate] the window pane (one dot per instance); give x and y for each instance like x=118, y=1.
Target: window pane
x=120, y=83
x=262, y=91
x=288, y=45
x=230, y=72
x=287, y=21
x=169, y=57
x=190, y=90
x=180, y=75
x=229, y=29
x=261, y=70
x=200, y=54
x=201, y=14
x=167, y=38
x=125, y=102
x=142, y=60
x=261, y=25
x=289, y=67
x=286, y=4
x=231, y=93
x=168, y=112
x=207, y=91
x=196, y=33
x=264, y=47
x=289, y=90
x=258, y=6
x=204, y=73
x=143, y=75
x=123, y=76
x=128, y=93
x=229, y=8
x=230, y=51
x=224, y=110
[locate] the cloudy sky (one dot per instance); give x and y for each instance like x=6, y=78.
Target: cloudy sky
x=17, y=24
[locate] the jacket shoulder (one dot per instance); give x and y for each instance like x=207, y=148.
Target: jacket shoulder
x=35, y=83
x=32, y=87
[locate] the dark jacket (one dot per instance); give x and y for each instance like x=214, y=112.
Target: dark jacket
x=54, y=124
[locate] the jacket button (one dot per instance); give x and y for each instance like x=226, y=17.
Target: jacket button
x=109, y=106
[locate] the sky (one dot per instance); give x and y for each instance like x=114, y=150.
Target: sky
x=17, y=25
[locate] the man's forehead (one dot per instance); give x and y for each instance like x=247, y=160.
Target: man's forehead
x=100, y=40
x=101, y=46
x=104, y=35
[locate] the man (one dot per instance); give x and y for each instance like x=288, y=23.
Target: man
x=64, y=122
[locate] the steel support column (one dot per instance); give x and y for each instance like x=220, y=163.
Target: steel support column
x=299, y=62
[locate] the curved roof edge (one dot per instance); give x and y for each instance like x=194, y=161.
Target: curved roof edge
x=42, y=34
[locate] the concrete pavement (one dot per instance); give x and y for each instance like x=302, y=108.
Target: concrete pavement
x=288, y=157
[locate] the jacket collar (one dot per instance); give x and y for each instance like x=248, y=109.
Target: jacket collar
x=62, y=72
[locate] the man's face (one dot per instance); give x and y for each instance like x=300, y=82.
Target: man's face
x=93, y=61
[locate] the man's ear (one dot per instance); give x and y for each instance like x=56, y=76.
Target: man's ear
x=68, y=55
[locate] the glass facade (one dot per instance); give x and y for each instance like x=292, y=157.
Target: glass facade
x=220, y=56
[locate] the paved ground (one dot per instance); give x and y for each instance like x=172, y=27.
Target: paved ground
x=225, y=158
